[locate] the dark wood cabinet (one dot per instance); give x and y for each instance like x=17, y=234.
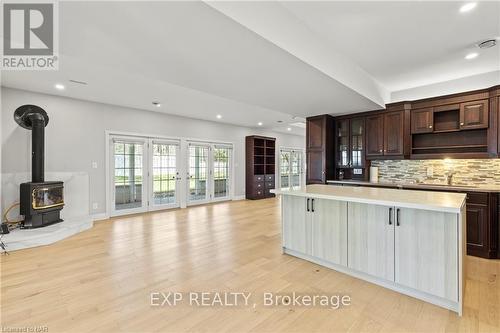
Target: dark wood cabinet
x=387, y=133
x=260, y=166
x=474, y=115
x=374, y=135
x=350, y=142
x=482, y=224
x=393, y=133
x=320, y=149
x=315, y=131
x=422, y=121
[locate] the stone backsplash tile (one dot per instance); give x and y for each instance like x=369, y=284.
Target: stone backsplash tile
x=467, y=171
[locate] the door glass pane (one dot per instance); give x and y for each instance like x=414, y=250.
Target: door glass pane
x=164, y=173
x=356, y=142
x=221, y=172
x=128, y=175
x=198, y=172
x=285, y=169
x=296, y=168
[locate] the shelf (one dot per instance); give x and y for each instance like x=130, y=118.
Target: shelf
x=450, y=147
x=446, y=131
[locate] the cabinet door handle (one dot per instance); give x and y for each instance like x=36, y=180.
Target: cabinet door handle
x=390, y=216
x=312, y=205
x=430, y=126
x=307, y=204
x=397, y=216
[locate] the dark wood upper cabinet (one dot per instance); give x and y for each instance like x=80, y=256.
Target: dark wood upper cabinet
x=320, y=149
x=315, y=128
x=474, y=115
x=374, y=135
x=422, y=121
x=315, y=171
x=393, y=133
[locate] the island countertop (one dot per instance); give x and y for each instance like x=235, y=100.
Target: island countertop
x=435, y=201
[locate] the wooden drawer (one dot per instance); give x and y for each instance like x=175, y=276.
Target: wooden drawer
x=269, y=185
x=258, y=178
x=259, y=192
x=478, y=198
x=269, y=178
x=259, y=186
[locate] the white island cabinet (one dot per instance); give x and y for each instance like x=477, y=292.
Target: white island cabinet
x=411, y=241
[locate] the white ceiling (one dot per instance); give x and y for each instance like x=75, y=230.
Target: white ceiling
x=407, y=44
x=203, y=59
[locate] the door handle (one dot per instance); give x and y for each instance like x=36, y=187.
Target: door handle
x=390, y=216
x=312, y=205
x=307, y=204
x=397, y=216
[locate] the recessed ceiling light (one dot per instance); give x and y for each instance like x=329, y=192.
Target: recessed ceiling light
x=157, y=104
x=468, y=7
x=78, y=82
x=487, y=44
x=219, y=116
x=471, y=55
x=289, y=129
x=59, y=86
x=259, y=123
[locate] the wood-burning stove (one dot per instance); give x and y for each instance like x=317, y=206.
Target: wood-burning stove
x=40, y=201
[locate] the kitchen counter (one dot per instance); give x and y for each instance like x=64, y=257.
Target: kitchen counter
x=423, y=186
x=431, y=200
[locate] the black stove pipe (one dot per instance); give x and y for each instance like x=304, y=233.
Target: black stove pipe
x=37, y=148
x=34, y=118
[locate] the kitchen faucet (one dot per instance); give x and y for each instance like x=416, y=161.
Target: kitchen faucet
x=449, y=177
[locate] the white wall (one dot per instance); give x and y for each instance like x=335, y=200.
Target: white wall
x=75, y=136
x=475, y=82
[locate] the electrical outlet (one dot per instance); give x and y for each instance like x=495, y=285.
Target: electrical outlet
x=94, y=165
x=95, y=205
x=430, y=171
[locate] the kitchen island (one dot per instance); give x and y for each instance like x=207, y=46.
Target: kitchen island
x=412, y=242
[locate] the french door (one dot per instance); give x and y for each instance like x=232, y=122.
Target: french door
x=145, y=175
x=129, y=166
x=209, y=173
x=291, y=168
x=148, y=174
x=165, y=177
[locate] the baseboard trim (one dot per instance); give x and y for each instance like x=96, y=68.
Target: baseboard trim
x=238, y=197
x=99, y=216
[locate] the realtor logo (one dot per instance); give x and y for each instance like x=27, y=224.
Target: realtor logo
x=30, y=39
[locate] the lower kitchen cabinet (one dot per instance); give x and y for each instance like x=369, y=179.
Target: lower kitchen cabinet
x=415, y=251
x=371, y=239
x=297, y=235
x=316, y=227
x=427, y=239
x=329, y=230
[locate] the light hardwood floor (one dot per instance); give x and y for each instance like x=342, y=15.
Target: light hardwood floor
x=100, y=280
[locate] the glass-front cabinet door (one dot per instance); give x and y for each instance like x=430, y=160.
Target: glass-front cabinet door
x=343, y=154
x=357, y=143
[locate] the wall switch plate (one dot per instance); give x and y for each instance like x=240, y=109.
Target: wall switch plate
x=95, y=205
x=430, y=171
x=94, y=165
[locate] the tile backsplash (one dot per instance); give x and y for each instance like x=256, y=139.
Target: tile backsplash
x=467, y=171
